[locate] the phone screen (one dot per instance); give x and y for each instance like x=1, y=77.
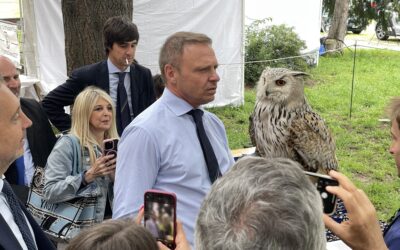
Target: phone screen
x=159, y=217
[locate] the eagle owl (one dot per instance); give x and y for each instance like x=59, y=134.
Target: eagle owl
x=284, y=125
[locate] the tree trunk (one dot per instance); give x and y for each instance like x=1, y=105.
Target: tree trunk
x=338, y=29
x=83, y=28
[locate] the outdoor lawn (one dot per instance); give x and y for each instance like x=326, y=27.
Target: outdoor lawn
x=362, y=141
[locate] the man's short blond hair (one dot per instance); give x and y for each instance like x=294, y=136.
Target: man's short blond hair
x=172, y=49
x=393, y=110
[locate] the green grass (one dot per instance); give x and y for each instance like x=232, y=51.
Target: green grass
x=362, y=142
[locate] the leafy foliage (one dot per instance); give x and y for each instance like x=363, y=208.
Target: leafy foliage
x=365, y=11
x=359, y=8
x=264, y=43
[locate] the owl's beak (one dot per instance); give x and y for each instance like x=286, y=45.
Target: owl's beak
x=267, y=93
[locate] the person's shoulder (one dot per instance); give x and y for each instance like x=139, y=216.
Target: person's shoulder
x=212, y=116
x=29, y=102
x=31, y=107
x=66, y=140
x=91, y=67
x=141, y=68
x=151, y=115
x=216, y=123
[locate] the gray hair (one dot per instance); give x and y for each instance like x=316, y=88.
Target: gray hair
x=261, y=204
x=172, y=49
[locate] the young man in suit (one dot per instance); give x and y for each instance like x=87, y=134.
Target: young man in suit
x=18, y=229
x=39, y=139
x=119, y=75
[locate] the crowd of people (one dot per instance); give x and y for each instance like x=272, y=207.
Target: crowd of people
x=167, y=142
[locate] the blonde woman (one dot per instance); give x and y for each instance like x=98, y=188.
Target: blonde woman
x=93, y=120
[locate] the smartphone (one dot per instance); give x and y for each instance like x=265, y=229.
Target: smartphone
x=328, y=199
x=160, y=216
x=110, y=147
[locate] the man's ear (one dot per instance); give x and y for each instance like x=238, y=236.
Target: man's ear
x=110, y=47
x=170, y=73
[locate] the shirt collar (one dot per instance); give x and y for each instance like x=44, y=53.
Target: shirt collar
x=175, y=103
x=113, y=69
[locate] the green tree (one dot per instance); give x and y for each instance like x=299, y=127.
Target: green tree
x=364, y=11
x=264, y=43
x=338, y=28
x=83, y=28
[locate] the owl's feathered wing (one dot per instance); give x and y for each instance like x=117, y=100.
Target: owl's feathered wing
x=312, y=142
x=251, y=129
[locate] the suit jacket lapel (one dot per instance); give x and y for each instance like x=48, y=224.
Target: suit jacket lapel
x=29, y=131
x=134, y=90
x=40, y=130
x=7, y=239
x=103, y=78
x=42, y=241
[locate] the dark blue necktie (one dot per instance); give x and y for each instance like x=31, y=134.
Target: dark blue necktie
x=208, y=152
x=123, y=112
x=19, y=218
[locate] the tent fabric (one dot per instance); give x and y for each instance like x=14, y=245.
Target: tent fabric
x=44, y=33
x=304, y=16
x=9, y=46
x=221, y=20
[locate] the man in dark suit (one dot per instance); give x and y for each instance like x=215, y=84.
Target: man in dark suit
x=18, y=229
x=40, y=138
x=120, y=75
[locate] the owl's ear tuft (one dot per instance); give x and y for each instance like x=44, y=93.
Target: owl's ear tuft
x=299, y=73
x=306, y=77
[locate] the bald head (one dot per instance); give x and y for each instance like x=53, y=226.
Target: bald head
x=10, y=75
x=13, y=123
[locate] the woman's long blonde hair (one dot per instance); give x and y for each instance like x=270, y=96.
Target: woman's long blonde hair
x=80, y=119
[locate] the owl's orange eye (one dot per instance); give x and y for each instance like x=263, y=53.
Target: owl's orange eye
x=280, y=82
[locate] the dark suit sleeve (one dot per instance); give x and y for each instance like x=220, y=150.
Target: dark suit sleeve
x=144, y=90
x=11, y=174
x=149, y=86
x=64, y=95
x=42, y=241
x=8, y=241
x=40, y=135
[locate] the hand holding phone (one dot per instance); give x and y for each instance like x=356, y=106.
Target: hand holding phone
x=328, y=199
x=110, y=146
x=160, y=216
x=361, y=231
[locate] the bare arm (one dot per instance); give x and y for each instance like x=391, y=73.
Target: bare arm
x=361, y=231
